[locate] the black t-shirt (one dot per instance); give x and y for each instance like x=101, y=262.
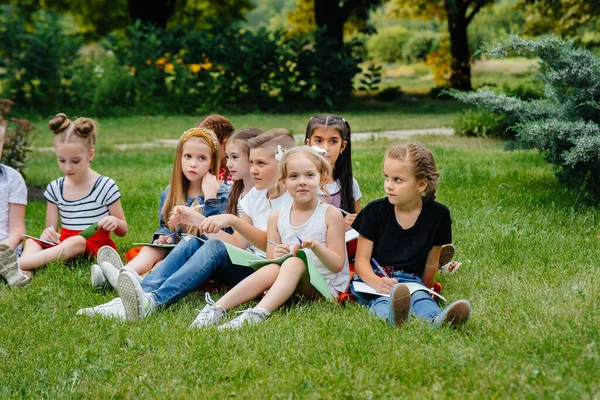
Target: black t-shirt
x=404, y=249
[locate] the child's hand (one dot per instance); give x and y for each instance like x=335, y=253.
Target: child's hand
x=215, y=223
x=210, y=186
x=186, y=216
x=50, y=235
x=109, y=223
x=281, y=250
x=307, y=243
x=164, y=239
x=385, y=285
x=348, y=220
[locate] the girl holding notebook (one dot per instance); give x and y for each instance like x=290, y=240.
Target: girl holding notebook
x=80, y=199
x=306, y=224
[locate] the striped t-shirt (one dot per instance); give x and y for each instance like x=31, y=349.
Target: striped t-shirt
x=79, y=214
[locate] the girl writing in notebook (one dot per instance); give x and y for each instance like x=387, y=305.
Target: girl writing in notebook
x=77, y=200
x=193, y=186
x=192, y=262
x=306, y=223
x=404, y=233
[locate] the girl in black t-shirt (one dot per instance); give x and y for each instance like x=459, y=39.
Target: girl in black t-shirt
x=404, y=233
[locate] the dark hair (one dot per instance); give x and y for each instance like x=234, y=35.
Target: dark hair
x=243, y=135
x=342, y=170
x=82, y=130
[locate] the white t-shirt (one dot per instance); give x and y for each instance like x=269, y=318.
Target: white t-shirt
x=335, y=192
x=256, y=205
x=12, y=190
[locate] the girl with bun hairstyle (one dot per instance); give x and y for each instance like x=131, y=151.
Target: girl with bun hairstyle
x=77, y=200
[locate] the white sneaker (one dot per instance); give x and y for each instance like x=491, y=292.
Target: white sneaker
x=109, y=255
x=112, y=309
x=250, y=316
x=138, y=305
x=133, y=272
x=98, y=280
x=110, y=272
x=211, y=314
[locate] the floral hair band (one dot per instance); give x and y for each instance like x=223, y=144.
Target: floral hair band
x=202, y=133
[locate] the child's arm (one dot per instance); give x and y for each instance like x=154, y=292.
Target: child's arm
x=213, y=225
x=431, y=266
x=275, y=251
x=50, y=234
x=16, y=224
x=115, y=222
x=362, y=264
x=333, y=255
x=349, y=219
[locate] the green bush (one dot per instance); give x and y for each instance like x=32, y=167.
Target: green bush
x=479, y=123
x=35, y=58
x=417, y=47
x=387, y=45
x=564, y=125
x=528, y=90
x=18, y=135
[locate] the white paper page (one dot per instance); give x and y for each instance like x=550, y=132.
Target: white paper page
x=413, y=287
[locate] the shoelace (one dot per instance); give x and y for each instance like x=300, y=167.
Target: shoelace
x=248, y=313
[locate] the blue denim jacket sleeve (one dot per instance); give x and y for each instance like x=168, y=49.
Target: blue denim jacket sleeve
x=163, y=228
x=218, y=205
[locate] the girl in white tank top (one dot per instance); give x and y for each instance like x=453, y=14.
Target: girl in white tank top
x=306, y=224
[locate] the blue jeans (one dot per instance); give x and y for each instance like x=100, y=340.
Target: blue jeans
x=421, y=304
x=189, y=265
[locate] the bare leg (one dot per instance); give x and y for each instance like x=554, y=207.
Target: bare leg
x=293, y=278
x=67, y=249
x=146, y=259
x=250, y=287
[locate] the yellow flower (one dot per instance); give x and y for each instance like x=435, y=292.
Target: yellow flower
x=195, y=68
x=169, y=68
x=161, y=61
x=207, y=65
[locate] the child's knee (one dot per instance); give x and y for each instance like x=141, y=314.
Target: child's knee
x=76, y=242
x=293, y=263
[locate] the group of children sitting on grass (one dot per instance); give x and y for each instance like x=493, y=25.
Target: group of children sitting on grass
x=237, y=200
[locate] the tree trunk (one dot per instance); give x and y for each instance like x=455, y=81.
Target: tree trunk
x=458, y=23
x=330, y=17
x=155, y=12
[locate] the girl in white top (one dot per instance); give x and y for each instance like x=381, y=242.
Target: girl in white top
x=77, y=200
x=13, y=199
x=305, y=224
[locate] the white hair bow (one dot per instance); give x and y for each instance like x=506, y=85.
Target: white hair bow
x=279, y=154
x=319, y=150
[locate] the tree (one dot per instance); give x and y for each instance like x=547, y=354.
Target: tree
x=564, y=17
x=458, y=14
x=330, y=17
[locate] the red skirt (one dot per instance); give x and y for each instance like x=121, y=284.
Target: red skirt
x=93, y=244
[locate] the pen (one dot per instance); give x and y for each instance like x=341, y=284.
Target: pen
x=273, y=243
x=198, y=206
x=298, y=237
x=379, y=268
x=344, y=211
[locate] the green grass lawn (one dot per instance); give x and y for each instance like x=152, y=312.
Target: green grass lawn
x=530, y=271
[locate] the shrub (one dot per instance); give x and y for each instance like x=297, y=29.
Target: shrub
x=419, y=46
x=35, y=58
x=564, y=124
x=479, y=123
x=388, y=44
x=17, y=138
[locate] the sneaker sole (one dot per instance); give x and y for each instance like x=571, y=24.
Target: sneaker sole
x=8, y=261
x=401, y=304
x=457, y=315
x=109, y=255
x=446, y=255
x=130, y=298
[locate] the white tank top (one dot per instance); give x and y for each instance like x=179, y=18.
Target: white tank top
x=315, y=228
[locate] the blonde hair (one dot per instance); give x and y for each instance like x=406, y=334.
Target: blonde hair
x=321, y=164
x=179, y=183
x=81, y=130
x=423, y=164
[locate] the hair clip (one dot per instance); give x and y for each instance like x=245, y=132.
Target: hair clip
x=279, y=154
x=319, y=150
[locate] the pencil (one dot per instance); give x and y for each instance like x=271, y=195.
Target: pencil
x=379, y=268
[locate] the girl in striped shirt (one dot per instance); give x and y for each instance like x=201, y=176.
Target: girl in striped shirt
x=79, y=199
